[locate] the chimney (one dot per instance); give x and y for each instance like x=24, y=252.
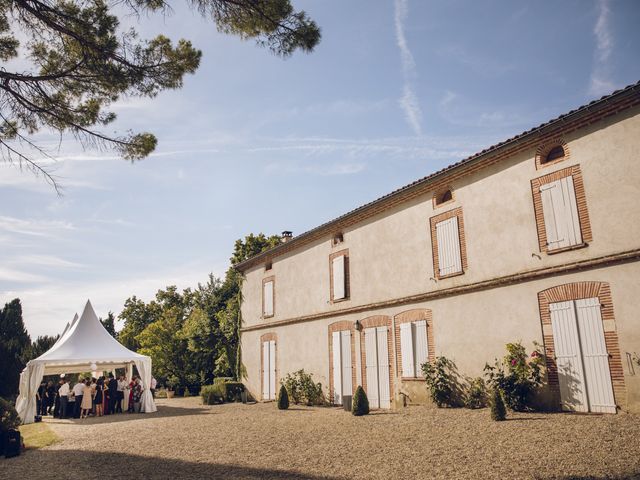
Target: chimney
x=286, y=236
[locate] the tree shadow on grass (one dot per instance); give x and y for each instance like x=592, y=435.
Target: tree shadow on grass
x=98, y=465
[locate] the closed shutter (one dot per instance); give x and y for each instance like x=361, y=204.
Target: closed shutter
x=371, y=367
x=568, y=357
x=421, y=347
x=339, y=290
x=268, y=299
x=560, y=211
x=595, y=357
x=347, y=383
x=272, y=370
x=337, y=369
x=406, y=347
x=449, y=259
x=383, y=368
x=265, y=370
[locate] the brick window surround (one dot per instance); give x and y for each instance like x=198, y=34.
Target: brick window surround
x=439, y=193
x=577, y=291
x=456, y=212
x=543, y=150
x=376, y=321
x=267, y=337
x=271, y=278
x=414, y=316
x=581, y=202
x=338, y=327
x=347, y=282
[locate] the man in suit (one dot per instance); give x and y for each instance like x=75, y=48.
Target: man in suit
x=113, y=394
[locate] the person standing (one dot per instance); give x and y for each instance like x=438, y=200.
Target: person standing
x=137, y=395
x=51, y=397
x=122, y=384
x=87, y=399
x=113, y=393
x=78, y=393
x=42, y=394
x=63, y=396
x=98, y=399
x=152, y=387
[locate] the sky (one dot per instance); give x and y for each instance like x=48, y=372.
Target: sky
x=256, y=143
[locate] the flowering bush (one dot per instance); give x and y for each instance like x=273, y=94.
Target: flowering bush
x=517, y=375
x=443, y=382
x=301, y=386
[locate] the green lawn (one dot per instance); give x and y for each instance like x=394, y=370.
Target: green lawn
x=38, y=435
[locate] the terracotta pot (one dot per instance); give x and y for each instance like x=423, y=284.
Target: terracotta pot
x=170, y=393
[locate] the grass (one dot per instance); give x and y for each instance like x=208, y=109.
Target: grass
x=38, y=435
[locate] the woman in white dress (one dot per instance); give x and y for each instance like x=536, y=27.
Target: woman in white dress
x=87, y=399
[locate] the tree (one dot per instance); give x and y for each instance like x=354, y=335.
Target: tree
x=109, y=324
x=41, y=345
x=136, y=315
x=81, y=62
x=14, y=347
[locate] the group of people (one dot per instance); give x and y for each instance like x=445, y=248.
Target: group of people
x=90, y=396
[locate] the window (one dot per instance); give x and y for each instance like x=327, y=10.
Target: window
x=561, y=210
x=554, y=154
x=414, y=347
x=339, y=276
x=268, y=266
x=268, y=297
x=447, y=237
x=338, y=238
x=442, y=197
x=552, y=151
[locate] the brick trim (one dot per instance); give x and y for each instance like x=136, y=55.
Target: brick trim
x=271, y=278
x=433, y=221
x=377, y=321
x=581, y=202
x=338, y=327
x=347, y=277
x=577, y=291
x=267, y=337
x=543, y=150
x=414, y=316
x=437, y=193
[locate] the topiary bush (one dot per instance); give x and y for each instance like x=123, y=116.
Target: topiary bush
x=213, y=394
x=9, y=419
x=283, y=398
x=360, y=403
x=443, y=382
x=498, y=410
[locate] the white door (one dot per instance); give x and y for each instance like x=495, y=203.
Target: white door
x=342, y=382
x=345, y=358
x=581, y=356
x=377, y=367
x=269, y=370
x=337, y=368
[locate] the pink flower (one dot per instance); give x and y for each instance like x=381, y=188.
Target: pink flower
x=534, y=354
x=513, y=362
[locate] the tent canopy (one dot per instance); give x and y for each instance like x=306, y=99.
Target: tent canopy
x=84, y=346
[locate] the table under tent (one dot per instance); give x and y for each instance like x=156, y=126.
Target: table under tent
x=85, y=346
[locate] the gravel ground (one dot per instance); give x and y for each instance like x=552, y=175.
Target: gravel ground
x=188, y=440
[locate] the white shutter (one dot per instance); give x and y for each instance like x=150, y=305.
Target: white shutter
x=568, y=357
x=574, y=235
x=265, y=370
x=383, y=368
x=595, y=357
x=339, y=290
x=406, y=347
x=268, y=299
x=449, y=259
x=371, y=367
x=560, y=212
x=347, y=383
x=272, y=370
x=337, y=368
x=421, y=346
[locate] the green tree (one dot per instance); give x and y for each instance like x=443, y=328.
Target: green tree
x=80, y=62
x=41, y=345
x=109, y=324
x=137, y=315
x=15, y=344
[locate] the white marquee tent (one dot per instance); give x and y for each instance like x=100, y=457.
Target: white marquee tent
x=84, y=346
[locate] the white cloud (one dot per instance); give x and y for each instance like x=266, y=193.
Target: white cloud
x=39, y=228
x=601, y=82
x=44, y=261
x=409, y=101
x=18, y=276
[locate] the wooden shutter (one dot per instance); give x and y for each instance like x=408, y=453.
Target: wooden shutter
x=268, y=299
x=448, y=237
x=337, y=368
x=568, y=356
x=347, y=383
x=265, y=370
x=371, y=367
x=595, y=356
x=383, y=368
x=272, y=370
x=406, y=347
x=560, y=211
x=421, y=350
x=339, y=290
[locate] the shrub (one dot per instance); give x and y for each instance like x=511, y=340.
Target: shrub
x=9, y=419
x=360, y=404
x=442, y=382
x=498, y=410
x=476, y=395
x=234, y=391
x=213, y=394
x=518, y=376
x=283, y=398
x=301, y=387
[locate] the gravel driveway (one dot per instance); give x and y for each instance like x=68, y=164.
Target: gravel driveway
x=188, y=440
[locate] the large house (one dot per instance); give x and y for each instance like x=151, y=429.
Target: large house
x=534, y=239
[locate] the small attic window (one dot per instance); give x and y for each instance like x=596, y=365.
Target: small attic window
x=338, y=238
x=555, y=153
x=268, y=266
x=443, y=197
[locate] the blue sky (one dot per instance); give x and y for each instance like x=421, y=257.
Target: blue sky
x=254, y=143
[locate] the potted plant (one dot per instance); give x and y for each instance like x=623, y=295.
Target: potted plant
x=170, y=390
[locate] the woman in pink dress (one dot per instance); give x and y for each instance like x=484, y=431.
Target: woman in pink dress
x=87, y=399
